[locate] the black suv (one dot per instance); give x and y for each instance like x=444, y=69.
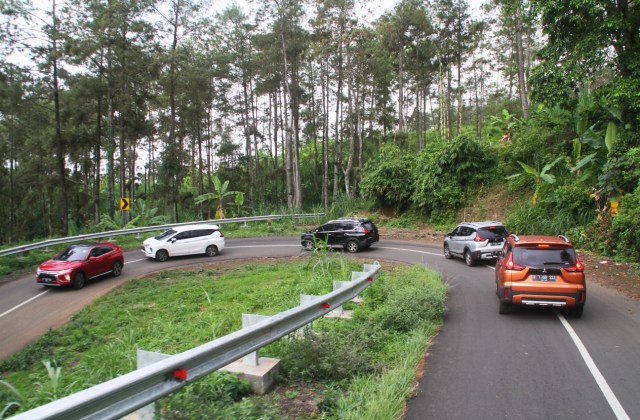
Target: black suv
x=349, y=233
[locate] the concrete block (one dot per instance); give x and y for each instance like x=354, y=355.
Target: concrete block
x=261, y=377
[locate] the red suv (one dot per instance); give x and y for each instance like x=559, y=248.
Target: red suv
x=540, y=271
x=80, y=262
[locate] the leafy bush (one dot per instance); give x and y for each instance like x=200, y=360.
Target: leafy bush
x=626, y=225
x=213, y=397
x=445, y=172
x=405, y=307
x=388, y=178
x=321, y=355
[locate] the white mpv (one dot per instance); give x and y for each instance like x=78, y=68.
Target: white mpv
x=185, y=240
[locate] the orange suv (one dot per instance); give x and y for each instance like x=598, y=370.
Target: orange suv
x=540, y=271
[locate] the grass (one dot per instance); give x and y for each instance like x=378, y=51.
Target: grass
x=175, y=311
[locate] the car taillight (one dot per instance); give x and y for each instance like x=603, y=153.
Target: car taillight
x=513, y=266
x=479, y=238
x=221, y=234
x=576, y=268
x=363, y=230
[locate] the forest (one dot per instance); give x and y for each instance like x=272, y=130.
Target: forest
x=419, y=111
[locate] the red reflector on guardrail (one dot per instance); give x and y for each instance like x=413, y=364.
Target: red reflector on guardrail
x=326, y=305
x=180, y=374
x=370, y=279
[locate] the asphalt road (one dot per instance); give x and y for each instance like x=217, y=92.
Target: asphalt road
x=531, y=364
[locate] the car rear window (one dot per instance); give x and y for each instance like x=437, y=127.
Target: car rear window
x=539, y=257
x=368, y=225
x=493, y=232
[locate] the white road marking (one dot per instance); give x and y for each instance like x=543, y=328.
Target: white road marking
x=409, y=250
x=129, y=262
x=22, y=304
x=602, y=383
x=262, y=246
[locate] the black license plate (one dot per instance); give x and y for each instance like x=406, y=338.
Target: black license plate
x=544, y=277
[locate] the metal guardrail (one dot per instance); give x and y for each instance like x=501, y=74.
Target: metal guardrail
x=125, y=394
x=130, y=231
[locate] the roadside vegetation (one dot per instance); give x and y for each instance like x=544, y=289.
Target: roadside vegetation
x=362, y=368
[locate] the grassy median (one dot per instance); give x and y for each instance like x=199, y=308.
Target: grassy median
x=362, y=368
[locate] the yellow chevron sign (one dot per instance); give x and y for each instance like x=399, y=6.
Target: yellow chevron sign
x=125, y=204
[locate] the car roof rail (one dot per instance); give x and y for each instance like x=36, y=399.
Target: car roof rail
x=564, y=238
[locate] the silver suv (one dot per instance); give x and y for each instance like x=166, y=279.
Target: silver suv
x=475, y=241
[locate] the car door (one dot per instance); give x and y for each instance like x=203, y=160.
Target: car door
x=456, y=238
x=346, y=231
x=180, y=244
x=326, y=233
x=97, y=261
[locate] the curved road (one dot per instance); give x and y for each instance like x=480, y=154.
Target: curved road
x=532, y=364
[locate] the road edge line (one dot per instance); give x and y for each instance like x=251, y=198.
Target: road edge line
x=615, y=405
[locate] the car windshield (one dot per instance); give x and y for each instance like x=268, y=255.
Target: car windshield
x=76, y=253
x=538, y=257
x=165, y=234
x=493, y=232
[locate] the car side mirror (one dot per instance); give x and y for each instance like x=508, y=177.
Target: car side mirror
x=173, y=240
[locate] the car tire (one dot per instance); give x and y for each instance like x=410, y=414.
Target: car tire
x=116, y=270
x=447, y=252
x=575, y=312
x=79, y=280
x=505, y=308
x=468, y=258
x=352, y=247
x=307, y=245
x=162, y=255
x=212, y=251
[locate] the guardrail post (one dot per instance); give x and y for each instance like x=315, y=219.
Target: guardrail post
x=260, y=372
x=146, y=358
x=248, y=320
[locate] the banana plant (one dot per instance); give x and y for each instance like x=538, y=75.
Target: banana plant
x=218, y=195
x=540, y=177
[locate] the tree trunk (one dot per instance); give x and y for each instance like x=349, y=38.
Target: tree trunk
x=59, y=140
x=522, y=83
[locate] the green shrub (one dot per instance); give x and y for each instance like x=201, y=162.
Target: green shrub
x=409, y=305
x=218, y=395
x=446, y=172
x=626, y=226
x=387, y=179
x=328, y=355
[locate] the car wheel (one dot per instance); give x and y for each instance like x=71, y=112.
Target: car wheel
x=469, y=259
x=447, y=252
x=576, y=312
x=307, y=245
x=79, y=280
x=212, y=251
x=352, y=247
x=116, y=270
x=162, y=255
x=505, y=308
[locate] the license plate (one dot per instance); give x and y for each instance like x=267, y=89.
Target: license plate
x=544, y=277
